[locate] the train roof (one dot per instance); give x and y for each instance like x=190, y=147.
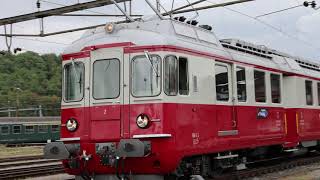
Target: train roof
x=30, y=120
x=153, y=31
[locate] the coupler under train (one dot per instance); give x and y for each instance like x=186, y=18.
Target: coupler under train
x=109, y=153
x=125, y=148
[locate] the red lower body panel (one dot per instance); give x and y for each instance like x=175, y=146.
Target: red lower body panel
x=195, y=129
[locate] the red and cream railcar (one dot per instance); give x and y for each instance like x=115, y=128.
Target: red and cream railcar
x=157, y=97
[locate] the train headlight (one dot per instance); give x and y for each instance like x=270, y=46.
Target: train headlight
x=72, y=125
x=143, y=121
x=109, y=27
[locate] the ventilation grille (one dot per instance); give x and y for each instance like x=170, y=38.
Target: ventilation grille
x=245, y=47
x=263, y=51
x=308, y=65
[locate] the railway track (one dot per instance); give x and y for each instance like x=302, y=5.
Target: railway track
x=20, y=158
x=25, y=144
x=30, y=166
x=265, y=168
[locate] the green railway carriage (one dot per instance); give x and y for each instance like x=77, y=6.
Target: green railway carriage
x=15, y=130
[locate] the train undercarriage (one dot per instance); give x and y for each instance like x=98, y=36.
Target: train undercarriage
x=210, y=165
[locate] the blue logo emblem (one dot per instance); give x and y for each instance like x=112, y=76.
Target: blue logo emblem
x=262, y=113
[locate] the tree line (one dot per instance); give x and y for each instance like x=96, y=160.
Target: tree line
x=30, y=80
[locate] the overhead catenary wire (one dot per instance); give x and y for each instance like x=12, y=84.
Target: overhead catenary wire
x=172, y=5
x=196, y=11
x=43, y=41
x=271, y=26
x=56, y=11
x=96, y=13
x=91, y=27
x=215, y=5
x=160, y=5
x=182, y=7
x=278, y=11
x=207, y=7
x=60, y=32
x=100, y=15
x=59, y=4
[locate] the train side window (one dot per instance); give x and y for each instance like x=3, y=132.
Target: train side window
x=17, y=129
x=275, y=88
x=183, y=76
x=73, y=81
x=309, y=96
x=241, y=84
x=260, y=86
x=222, y=82
x=55, y=128
x=146, y=76
x=29, y=129
x=171, y=75
x=42, y=128
x=5, y=130
x=318, y=87
x=106, y=79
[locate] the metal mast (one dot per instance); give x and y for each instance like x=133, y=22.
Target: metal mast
x=158, y=5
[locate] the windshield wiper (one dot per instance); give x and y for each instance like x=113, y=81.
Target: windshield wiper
x=146, y=53
x=78, y=79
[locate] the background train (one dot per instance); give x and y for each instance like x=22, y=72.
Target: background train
x=163, y=98
x=21, y=130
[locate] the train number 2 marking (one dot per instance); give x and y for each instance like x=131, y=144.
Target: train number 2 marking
x=195, y=138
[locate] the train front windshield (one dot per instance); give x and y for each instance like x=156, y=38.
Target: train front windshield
x=106, y=79
x=146, y=76
x=73, y=81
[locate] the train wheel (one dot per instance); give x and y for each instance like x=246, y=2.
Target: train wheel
x=175, y=177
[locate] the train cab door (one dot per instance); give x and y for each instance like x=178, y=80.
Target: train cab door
x=106, y=93
x=225, y=99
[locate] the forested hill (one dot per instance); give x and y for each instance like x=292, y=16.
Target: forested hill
x=28, y=80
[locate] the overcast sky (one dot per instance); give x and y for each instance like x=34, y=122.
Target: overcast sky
x=297, y=29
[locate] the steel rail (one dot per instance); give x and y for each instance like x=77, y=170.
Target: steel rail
x=28, y=166
x=26, y=163
x=31, y=171
x=21, y=158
